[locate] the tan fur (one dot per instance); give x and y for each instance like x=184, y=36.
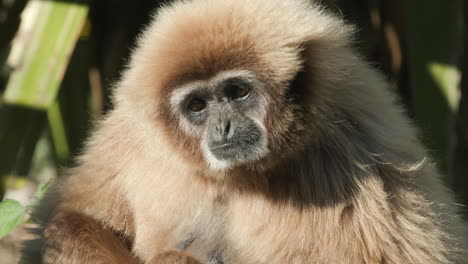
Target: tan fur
x=346, y=179
x=172, y=257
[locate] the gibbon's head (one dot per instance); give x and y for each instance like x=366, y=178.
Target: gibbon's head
x=232, y=82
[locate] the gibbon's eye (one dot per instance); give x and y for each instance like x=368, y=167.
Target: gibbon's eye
x=196, y=105
x=241, y=93
x=237, y=89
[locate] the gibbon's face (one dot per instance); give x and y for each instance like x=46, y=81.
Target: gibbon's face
x=226, y=112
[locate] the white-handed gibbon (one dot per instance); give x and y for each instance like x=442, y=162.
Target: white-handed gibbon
x=250, y=131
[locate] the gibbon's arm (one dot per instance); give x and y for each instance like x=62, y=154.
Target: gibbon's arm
x=71, y=238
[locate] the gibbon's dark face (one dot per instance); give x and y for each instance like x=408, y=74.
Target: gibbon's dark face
x=226, y=112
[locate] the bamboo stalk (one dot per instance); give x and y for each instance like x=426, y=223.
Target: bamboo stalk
x=39, y=58
x=42, y=50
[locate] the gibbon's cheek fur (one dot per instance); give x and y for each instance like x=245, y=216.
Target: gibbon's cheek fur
x=250, y=131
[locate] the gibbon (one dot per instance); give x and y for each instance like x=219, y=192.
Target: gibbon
x=250, y=131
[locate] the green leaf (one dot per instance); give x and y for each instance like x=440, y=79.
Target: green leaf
x=11, y=215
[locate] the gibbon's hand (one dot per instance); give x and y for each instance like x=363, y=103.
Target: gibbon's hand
x=173, y=257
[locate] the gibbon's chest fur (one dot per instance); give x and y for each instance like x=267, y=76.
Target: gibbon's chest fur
x=244, y=229
x=247, y=229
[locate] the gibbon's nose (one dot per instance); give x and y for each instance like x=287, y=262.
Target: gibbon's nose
x=223, y=130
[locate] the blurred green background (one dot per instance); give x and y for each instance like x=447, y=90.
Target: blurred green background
x=59, y=59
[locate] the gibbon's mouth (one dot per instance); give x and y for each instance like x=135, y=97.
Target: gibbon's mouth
x=222, y=146
x=228, y=151
x=243, y=147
